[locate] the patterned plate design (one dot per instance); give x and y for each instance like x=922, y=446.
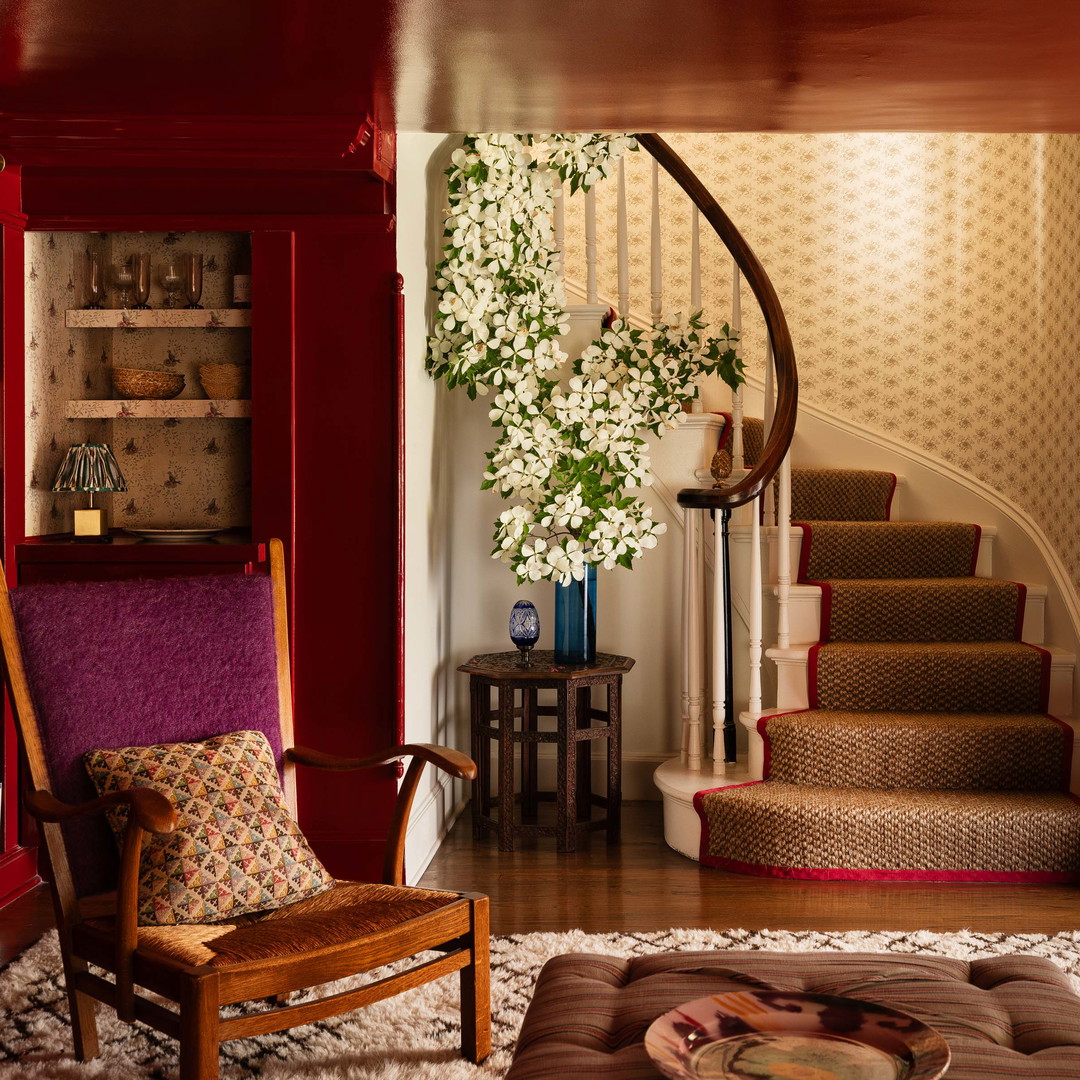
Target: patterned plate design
x=175, y=536
x=777, y=1035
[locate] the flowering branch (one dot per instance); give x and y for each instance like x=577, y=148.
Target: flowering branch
x=570, y=457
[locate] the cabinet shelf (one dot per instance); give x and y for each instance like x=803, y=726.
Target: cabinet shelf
x=173, y=409
x=153, y=318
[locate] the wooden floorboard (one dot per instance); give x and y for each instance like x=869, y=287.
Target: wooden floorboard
x=641, y=884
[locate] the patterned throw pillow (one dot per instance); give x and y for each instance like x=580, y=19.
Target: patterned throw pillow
x=236, y=848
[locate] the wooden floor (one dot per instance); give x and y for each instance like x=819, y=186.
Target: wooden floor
x=641, y=884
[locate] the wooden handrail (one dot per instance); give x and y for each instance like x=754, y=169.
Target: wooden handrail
x=787, y=375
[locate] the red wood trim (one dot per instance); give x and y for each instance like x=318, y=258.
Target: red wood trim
x=365, y=224
x=18, y=868
x=399, y=348
x=826, y=609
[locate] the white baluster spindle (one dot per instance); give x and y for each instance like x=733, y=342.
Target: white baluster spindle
x=756, y=586
x=695, y=286
x=657, y=275
x=559, y=222
x=717, y=644
x=687, y=634
x=695, y=626
x=737, y=455
x=783, y=557
x=770, y=409
x=590, y=245
x=623, y=246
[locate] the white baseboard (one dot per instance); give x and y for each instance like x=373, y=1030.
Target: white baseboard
x=431, y=819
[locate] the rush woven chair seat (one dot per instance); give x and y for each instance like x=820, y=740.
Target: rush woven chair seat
x=170, y=701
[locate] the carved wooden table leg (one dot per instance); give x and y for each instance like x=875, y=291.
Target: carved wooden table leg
x=584, y=755
x=506, y=768
x=566, y=781
x=614, y=749
x=528, y=754
x=479, y=702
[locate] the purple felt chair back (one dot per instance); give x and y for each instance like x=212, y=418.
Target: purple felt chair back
x=132, y=663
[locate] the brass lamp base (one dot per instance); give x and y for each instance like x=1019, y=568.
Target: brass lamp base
x=90, y=527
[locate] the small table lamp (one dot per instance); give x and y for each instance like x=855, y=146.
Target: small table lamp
x=90, y=467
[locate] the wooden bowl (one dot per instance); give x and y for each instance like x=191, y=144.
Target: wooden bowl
x=224, y=380
x=141, y=384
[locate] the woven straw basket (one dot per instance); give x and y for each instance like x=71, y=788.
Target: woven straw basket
x=223, y=380
x=139, y=383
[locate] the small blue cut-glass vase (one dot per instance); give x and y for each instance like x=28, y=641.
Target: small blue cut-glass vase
x=575, y=620
x=524, y=628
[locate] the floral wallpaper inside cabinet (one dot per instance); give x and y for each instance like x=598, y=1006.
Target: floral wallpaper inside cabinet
x=180, y=473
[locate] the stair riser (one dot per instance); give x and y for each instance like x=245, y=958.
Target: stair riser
x=984, y=564
x=804, y=612
x=791, y=683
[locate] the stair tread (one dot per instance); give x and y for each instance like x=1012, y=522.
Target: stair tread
x=802, y=831
x=924, y=751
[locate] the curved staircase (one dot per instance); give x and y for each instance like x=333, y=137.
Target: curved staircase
x=920, y=746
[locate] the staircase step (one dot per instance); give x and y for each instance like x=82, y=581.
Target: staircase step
x=937, y=677
x=792, y=687
x=796, y=831
x=922, y=609
x=841, y=495
x=740, y=535
x=805, y=610
x=925, y=751
x=887, y=549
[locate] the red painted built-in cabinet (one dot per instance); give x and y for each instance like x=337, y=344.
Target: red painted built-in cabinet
x=324, y=450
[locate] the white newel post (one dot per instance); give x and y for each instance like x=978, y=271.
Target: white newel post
x=687, y=638
x=737, y=455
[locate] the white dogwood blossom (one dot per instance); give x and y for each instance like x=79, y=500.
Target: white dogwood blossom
x=570, y=455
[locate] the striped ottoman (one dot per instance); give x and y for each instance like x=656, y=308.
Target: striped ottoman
x=1007, y=1016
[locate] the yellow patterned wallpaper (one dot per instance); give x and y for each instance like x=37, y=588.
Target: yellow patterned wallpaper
x=930, y=282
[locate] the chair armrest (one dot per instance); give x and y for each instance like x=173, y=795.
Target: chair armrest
x=451, y=761
x=149, y=809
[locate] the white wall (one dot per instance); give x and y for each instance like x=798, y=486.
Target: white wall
x=427, y=573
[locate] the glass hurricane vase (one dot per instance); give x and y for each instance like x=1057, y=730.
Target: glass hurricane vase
x=575, y=620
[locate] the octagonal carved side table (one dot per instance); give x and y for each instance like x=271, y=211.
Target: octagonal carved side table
x=513, y=722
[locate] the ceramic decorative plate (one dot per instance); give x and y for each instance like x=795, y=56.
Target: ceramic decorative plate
x=774, y=1035
x=175, y=536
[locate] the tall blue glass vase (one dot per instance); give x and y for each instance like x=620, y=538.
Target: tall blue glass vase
x=575, y=620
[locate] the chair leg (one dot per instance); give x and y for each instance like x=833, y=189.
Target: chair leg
x=199, y=1028
x=83, y=1014
x=476, y=989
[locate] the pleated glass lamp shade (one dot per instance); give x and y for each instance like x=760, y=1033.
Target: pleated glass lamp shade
x=89, y=467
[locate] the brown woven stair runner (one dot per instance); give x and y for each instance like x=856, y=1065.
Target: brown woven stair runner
x=887, y=549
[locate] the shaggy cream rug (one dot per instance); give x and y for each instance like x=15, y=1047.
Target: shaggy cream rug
x=413, y=1036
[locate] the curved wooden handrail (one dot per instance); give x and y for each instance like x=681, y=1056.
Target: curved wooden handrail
x=787, y=375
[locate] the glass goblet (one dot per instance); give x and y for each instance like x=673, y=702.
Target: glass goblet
x=124, y=280
x=171, y=279
x=140, y=273
x=192, y=263
x=95, y=280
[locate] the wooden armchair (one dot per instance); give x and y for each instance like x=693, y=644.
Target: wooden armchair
x=201, y=657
